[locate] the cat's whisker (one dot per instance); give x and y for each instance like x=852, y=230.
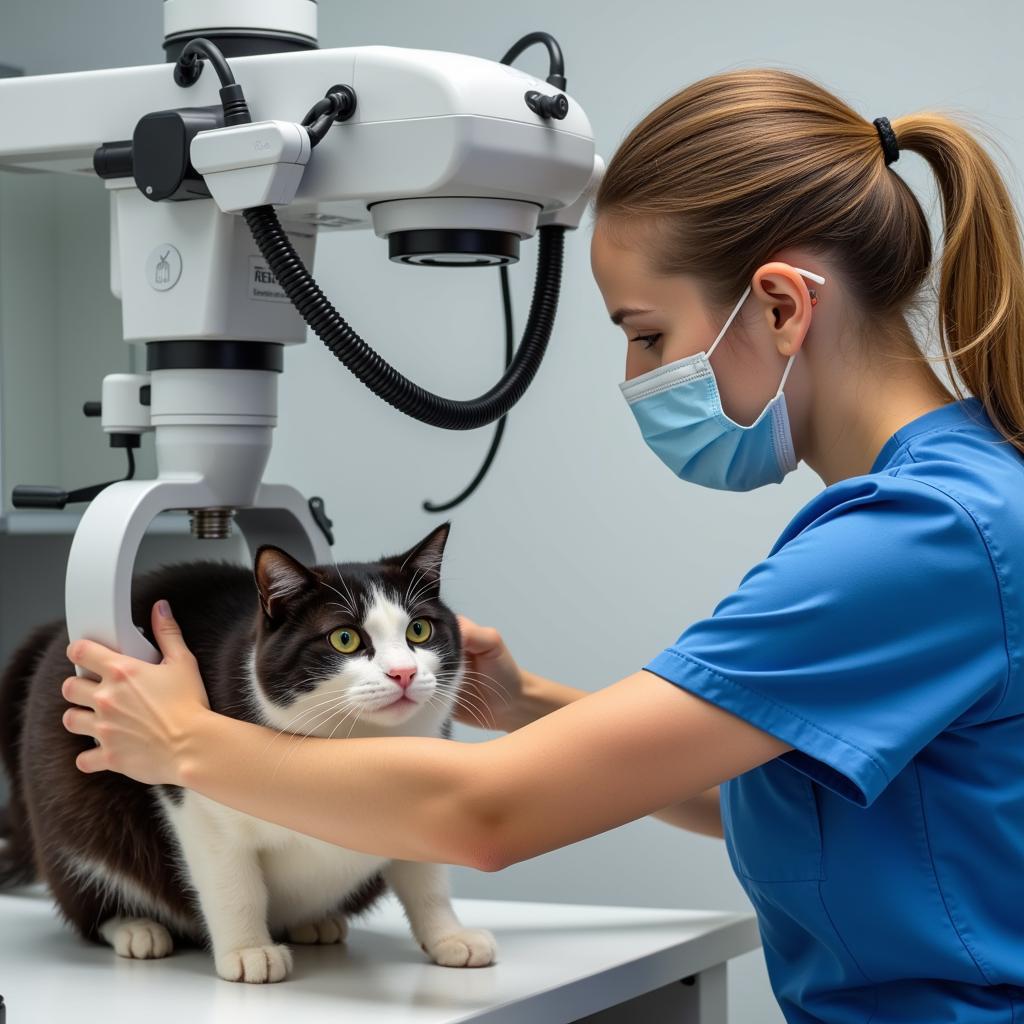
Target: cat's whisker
x=341, y=720
x=413, y=582
x=467, y=677
x=471, y=673
x=473, y=704
x=290, y=726
x=347, y=596
x=322, y=718
x=347, y=707
x=344, y=607
x=464, y=698
x=454, y=685
x=340, y=701
x=427, y=585
x=463, y=702
x=348, y=593
x=353, y=725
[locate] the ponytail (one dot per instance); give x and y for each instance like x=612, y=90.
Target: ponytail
x=981, y=284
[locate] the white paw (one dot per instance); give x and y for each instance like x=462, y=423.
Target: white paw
x=139, y=939
x=255, y=964
x=333, y=928
x=468, y=947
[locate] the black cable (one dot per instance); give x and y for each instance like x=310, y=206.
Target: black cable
x=376, y=373
x=556, y=62
x=506, y=300
x=556, y=77
x=338, y=105
x=189, y=65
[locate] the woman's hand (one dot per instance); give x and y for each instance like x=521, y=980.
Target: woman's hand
x=141, y=714
x=492, y=683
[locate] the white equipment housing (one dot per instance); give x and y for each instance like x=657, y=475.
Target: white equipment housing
x=437, y=141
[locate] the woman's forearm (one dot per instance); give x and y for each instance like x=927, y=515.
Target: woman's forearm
x=702, y=814
x=335, y=789
x=541, y=696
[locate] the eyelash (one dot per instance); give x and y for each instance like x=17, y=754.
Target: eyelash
x=648, y=339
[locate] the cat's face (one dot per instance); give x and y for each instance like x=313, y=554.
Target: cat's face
x=355, y=644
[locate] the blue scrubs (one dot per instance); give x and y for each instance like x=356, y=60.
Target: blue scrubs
x=881, y=638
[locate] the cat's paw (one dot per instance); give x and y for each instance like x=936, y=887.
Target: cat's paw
x=468, y=947
x=333, y=928
x=255, y=964
x=137, y=939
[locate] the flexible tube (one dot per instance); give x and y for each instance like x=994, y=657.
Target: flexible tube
x=376, y=373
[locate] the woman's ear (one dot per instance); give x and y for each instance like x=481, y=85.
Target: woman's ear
x=786, y=303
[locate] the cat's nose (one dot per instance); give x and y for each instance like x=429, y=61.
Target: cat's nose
x=403, y=675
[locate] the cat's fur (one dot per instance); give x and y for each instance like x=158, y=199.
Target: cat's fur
x=146, y=867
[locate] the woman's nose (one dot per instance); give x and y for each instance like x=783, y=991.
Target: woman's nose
x=403, y=675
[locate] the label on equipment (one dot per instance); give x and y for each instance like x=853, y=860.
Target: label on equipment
x=262, y=283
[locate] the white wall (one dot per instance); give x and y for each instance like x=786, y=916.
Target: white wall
x=579, y=546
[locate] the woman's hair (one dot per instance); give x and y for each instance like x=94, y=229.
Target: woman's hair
x=742, y=164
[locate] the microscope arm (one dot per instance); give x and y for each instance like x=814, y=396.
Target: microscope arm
x=99, y=577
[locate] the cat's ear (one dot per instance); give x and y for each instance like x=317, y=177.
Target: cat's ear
x=279, y=579
x=425, y=557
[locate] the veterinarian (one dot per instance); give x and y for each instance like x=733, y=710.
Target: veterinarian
x=851, y=718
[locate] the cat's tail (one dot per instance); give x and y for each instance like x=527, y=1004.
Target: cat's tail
x=17, y=854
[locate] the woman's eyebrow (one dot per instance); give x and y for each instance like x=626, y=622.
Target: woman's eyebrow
x=620, y=314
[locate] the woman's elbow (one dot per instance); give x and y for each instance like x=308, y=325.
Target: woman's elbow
x=487, y=849
x=485, y=844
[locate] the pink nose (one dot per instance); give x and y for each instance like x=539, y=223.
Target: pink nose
x=403, y=676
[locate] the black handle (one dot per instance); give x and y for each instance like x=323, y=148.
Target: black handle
x=32, y=496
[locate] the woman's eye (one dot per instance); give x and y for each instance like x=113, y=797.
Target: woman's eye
x=648, y=339
x=418, y=632
x=345, y=641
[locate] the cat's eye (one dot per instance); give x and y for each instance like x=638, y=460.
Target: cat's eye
x=344, y=640
x=418, y=632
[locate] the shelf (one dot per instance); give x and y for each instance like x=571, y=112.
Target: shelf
x=63, y=522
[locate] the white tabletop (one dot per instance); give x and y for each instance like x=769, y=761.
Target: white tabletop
x=556, y=962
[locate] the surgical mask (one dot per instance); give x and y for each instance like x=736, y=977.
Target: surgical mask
x=679, y=410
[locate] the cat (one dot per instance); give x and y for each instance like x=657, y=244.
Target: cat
x=324, y=651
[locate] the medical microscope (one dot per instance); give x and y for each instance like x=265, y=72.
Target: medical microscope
x=219, y=186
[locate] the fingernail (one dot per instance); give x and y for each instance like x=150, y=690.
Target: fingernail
x=164, y=609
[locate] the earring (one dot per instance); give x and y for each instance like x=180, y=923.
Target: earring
x=814, y=296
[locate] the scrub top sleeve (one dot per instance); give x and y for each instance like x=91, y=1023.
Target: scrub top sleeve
x=860, y=639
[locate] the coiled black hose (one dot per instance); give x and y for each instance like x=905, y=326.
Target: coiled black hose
x=380, y=376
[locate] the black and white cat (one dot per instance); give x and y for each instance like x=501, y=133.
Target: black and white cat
x=356, y=649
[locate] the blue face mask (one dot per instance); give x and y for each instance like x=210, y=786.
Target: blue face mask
x=680, y=414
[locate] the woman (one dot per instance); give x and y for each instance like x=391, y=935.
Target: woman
x=854, y=708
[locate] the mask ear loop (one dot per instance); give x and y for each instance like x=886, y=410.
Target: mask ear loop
x=817, y=278
x=732, y=316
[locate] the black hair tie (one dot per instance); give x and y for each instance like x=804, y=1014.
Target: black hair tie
x=890, y=146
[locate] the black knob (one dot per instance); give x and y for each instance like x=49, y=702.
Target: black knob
x=92, y=409
x=555, y=107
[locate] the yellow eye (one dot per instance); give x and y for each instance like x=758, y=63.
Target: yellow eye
x=346, y=641
x=418, y=632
